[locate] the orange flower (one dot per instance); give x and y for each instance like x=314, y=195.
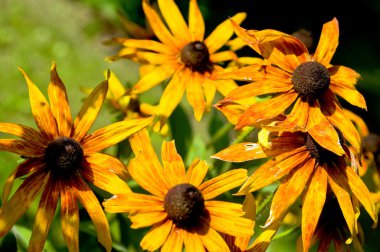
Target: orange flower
x=183, y=56
x=305, y=168
x=304, y=84
x=180, y=208
x=60, y=160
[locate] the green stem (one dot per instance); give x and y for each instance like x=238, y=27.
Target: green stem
x=219, y=134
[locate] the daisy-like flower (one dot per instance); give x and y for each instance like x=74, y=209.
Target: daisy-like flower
x=181, y=207
x=302, y=85
x=61, y=160
x=183, y=56
x=304, y=168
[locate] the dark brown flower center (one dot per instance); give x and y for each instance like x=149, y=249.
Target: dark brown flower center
x=184, y=205
x=63, y=155
x=310, y=80
x=196, y=56
x=318, y=152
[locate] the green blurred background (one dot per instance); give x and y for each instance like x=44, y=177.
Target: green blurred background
x=33, y=33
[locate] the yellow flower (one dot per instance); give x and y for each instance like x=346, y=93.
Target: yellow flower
x=60, y=160
x=304, y=168
x=303, y=84
x=180, y=208
x=183, y=56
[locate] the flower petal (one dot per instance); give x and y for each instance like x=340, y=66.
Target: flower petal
x=45, y=215
x=134, y=202
x=89, y=111
x=20, y=147
x=222, y=33
x=344, y=76
x=296, y=120
x=173, y=92
x=174, y=243
x=349, y=94
x=241, y=152
x=328, y=42
x=264, y=239
x=315, y=197
x=99, y=175
x=361, y=191
x=174, y=167
x=59, y=103
x=196, y=172
x=157, y=235
x=322, y=131
x=158, y=26
x=212, y=240
x=25, y=133
x=339, y=185
x=146, y=219
x=154, y=77
x=174, y=20
x=70, y=218
x=114, y=164
x=226, y=217
x=289, y=189
x=223, y=56
x=89, y=201
x=222, y=183
x=209, y=89
x=113, y=134
x=193, y=242
x=274, y=170
x=41, y=110
x=195, y=95
x=20, y=201
x=149, y=45
x=196, y=22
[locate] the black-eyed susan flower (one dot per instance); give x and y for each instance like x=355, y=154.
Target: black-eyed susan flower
x=302, y=167
x=183, y=56
x=61, y=160
x=180, y=208
x=303, y=86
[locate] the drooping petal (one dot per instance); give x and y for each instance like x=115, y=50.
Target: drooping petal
x=264, y=239
x=222, y=183
x=328, y=42
x=20, y=147
x=20, y=201
x=41, y=110
x=158, y=26
x=174, y=20
x=241, y=152
x=131, y=202
x=146, y=219
x=222, y=33
x=361, y=192
x=296, y=120
x=193, y=242
x=59, y=103
x=209, y=88
x=196, y=22
x=231, y=110
x=89, y=111
x=211, y=239
x=349, y=94
x=26, y=133
x=266, y=109
x=174, y=243
x=290, y=189
x=174, y=167
x=44, y=217
x=101, y=176
x=70, y=218
x=89, y=201
x=113, y=134
x=195, y=95
x=196, y=172
x=174, y=91
x=322, y=131
x=274, y=170
x=339, y=185
x=315, y=197
x=227, y=218
x=157, y=235
x=154, y=77
x=113, y=164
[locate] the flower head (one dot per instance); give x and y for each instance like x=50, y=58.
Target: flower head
x=302, y=85
x=302, y=167
x=183, y=56
x=61, y=159
x=181, y=207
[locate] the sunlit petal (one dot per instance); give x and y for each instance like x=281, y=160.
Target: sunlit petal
x=196, y=172
x=154, y=77
x=328, y=42
x=174, y=243
x=157, y=235
x=146, y=219
x=113, y=164
x=241, y=152
x=174, y=167
x=196, y=22
x=193, y=242
x=20, y=147
x=130, y=202
x=25, y=133
x=195, y=95
x=212, y=240
x=70, y=218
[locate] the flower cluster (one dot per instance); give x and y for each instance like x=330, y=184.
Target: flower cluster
x=310, y=147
